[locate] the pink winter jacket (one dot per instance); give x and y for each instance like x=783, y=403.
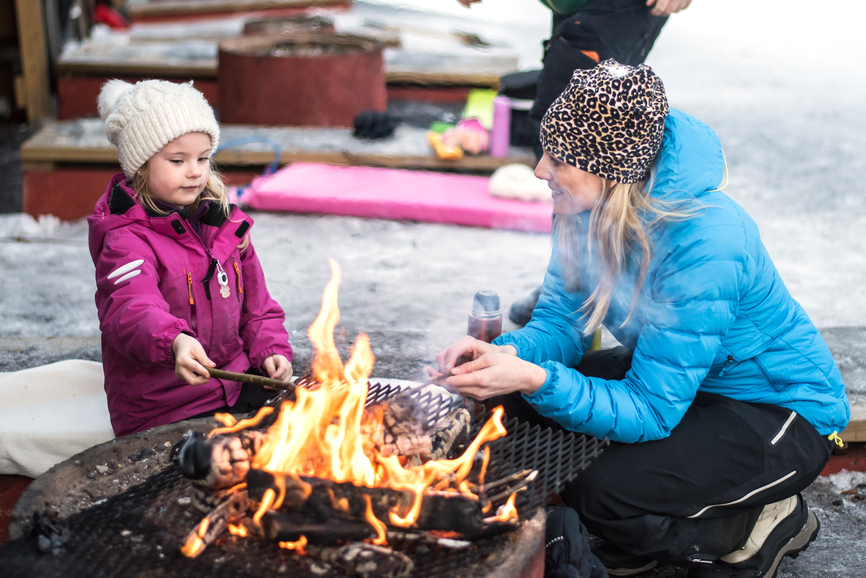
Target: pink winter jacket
x=155, y=278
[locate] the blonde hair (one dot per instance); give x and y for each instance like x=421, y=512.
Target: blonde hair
x=215, y=191
x=618, y=223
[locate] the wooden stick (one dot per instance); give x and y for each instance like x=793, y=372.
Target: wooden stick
x=247, y=378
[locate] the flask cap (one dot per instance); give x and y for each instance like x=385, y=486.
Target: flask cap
x=486, y=300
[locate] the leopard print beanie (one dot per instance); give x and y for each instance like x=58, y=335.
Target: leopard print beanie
x=609, y=121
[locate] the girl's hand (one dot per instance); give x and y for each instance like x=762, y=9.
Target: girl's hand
x=278, y=367
x=190, y=360
x=496, y=373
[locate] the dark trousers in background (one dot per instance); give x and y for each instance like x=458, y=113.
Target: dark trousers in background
x=696, y=494
x=253, y=396
x=620, y=29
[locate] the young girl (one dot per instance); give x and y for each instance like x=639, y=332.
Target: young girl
x=179, y=286
x=723, y=401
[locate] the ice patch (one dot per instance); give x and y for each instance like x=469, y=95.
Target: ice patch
x=846, y=480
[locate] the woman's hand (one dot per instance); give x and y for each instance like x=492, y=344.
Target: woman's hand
x=481, y=370
x=278, y=367
x=190, y=360
x=465, y=349
x=496, y=373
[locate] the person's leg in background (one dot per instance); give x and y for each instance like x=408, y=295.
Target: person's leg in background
x=624, y=30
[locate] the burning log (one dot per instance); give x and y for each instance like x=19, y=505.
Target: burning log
x=451, y=430
x=283, y=527
x=347, y=503
x=232, y=509
x=404, y=429
x=216, y=465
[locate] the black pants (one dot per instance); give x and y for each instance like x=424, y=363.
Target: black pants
x=696, y=494
x=620, y=29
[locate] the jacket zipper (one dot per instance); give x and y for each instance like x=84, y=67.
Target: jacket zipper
x=238, y=273
x=728, y=366
x=189, y=287
x=213, y=262
x=210, y=273
x=192, y=319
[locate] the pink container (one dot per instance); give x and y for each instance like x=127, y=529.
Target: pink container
x=500, y=134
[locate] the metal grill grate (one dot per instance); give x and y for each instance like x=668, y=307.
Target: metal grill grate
x=138, y=533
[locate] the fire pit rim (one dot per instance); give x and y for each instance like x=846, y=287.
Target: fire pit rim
x=55, y=481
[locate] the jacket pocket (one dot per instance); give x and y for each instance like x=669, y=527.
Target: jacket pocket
x=766, y=373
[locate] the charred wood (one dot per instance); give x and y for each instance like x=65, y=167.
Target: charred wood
x=232, y=509
x=366, y=560
x=283, y=527
x=330, y=500
x=452, y=430
x=404, y=428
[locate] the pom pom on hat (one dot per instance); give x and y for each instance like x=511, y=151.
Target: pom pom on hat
x=108, y=96
x=141, y=118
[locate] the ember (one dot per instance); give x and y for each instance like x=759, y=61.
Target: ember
x=332, y=468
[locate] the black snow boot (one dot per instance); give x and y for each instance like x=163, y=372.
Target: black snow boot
x=784, y=528
x=521, y=310
x=567, y=553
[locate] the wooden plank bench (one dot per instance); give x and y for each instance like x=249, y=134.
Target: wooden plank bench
x=67, y=164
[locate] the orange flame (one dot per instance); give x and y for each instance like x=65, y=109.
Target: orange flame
x=231, y=425
x=326, y=432
x=508, y=512
x=202, y=527
x=237, y=530
x=193, y=546
x=298, y=545
x=375, y=522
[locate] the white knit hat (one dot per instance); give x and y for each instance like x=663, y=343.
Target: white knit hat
x=142, y=118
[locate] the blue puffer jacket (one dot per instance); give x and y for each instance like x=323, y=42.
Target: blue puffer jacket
x=713, y=316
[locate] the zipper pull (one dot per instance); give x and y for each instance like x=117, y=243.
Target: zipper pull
x=238, y=272
x=223, y=282
x=727, y=366
x=189, y=286
x=834, y=437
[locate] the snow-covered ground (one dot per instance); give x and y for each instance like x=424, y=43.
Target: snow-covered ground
x=783, y=84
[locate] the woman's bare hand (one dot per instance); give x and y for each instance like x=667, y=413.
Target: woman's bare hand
x=496, y=373
x=190, y=360
x=464, y=349
x=278, y=367
x=667, y=7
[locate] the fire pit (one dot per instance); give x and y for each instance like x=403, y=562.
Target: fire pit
x=77, y=520
x=337, y=476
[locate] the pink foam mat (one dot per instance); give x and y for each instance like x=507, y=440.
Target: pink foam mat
x=393, y=194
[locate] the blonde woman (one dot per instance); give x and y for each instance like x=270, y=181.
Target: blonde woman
x=179, y=286
x=723, y=401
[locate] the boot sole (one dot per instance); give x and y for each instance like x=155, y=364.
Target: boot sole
x=797, y=544
x=632, y=571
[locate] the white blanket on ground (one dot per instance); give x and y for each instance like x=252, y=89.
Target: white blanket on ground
x=49, y=414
